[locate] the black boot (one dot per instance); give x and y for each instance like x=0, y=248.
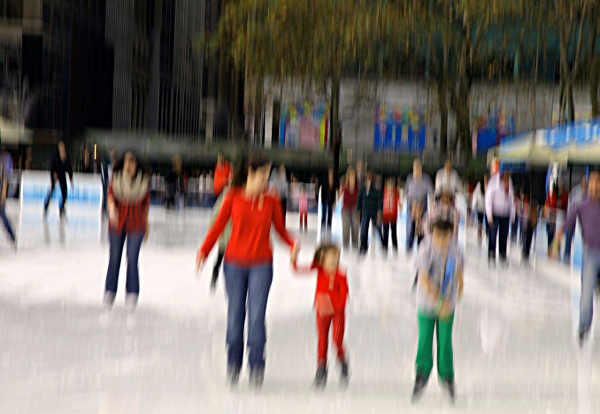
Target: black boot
x=420, y=384
x=449, y=389
x=321, y=377
x=233, y=374
x=213, y=282
x=344, y=374
x=582, y=337
x=257, y=377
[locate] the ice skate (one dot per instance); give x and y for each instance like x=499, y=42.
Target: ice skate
x=257, y=377
x=105, y=310
x=233, y=375
x=344, y=374
x=583, y=335
x=320, y=378
x=448, y=387
x=213, y=283
x=418, y=389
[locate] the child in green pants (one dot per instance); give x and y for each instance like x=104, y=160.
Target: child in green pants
x=440, y=265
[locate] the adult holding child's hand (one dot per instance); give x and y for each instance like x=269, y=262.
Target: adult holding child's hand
x=248, y=262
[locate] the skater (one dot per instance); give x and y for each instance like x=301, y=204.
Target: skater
x=4, y=174
x=551, y=215
x=445, y=203
x=418, y=189
x=222, y=171
x=60, y=167
x=447, y=180
x=248, y=261
x=329, y=193
x=330, y=304
x=350, y=220
x=440, y=266
x=391, y=205
x=479, y=207
x=223, y=239
x=577, y=196
x=303, y=208
x=588, y=213
x=369, y=207
x=279, y=181
x=529, y=225
x=500, y=211
x=128, y=204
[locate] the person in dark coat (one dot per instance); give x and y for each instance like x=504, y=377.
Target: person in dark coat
x=329, y=190
x=60, y=167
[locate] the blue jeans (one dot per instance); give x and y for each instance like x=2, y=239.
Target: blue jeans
x=247, y=288
x=6, y=223
x=326, y=214
x=589, y=275
x=568, y=243
x=134, y=244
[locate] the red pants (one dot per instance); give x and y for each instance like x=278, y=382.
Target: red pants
x=303, y=219
x=323, y=324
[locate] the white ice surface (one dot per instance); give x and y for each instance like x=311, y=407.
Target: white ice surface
x=514, y=333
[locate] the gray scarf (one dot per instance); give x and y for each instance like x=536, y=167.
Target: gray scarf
x=130, y=190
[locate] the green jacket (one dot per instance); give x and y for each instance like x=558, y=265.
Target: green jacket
x=371, y=203
x=226, y=235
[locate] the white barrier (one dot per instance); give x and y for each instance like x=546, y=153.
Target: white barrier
x=83, y=197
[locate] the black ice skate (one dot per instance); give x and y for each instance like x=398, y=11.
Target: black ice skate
x=233, y=375
x=582, y=337
x=320, y=378
x=257, y=377
x=213, y=283
x=420, y=384
x=344, y=374
x=448, y=387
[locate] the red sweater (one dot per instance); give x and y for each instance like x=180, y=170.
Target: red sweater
x=336, y=286
x=251, y=219
x=390, y=206
x=221, y=179
x=133, y=216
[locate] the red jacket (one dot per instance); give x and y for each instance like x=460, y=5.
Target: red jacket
x=336, y=286
x=390, y=206
x=132, y=216
x=221, y=179
x=251, y=219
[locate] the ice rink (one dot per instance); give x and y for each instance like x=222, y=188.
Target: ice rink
x=514, y=333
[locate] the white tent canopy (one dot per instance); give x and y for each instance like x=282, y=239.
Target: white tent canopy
x=12, y=134
x=572, y=143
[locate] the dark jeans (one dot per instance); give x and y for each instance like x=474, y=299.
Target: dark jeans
x=500, y=225
x=514, y=231
x=364, y=229
x=386, y=230
x=6, y=223
x=134, y=244
x=410, y=232
x=568, y=243
x=63, y=190
x=218, y=266
x=551, y=229
x=326, y=214
x=284, y=208
x=247, y=288
x=527, y=239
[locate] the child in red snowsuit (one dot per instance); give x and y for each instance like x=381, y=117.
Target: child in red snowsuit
x=330, y=303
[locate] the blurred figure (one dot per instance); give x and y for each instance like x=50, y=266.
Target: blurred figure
x=6, y=161
x=479, y=206
x=447, y=205
x=514, y=231
x=417, y=191
x=223, y=238
x=360, y=173
x=588, y=213
x=128, y=205
x=369, y=207
x=551, y=215
x=529, y=225
x=447, y=180
x=303, y=208
x=248, y=267
x=279, y=181
x=330, y=302
x=577, y=196
x=4, y=178
x=500, y=211
x=222, y=173
x=60, y=167
x=440, y=264
x=29, y=159
x=350, y=221
x=329, y=191
x=86, y=166
x=173, y=184
x=391, y=204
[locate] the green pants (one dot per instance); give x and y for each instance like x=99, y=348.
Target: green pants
x=445, y=362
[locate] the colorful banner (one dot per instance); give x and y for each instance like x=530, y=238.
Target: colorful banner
x=304, y=126
x=399, y=129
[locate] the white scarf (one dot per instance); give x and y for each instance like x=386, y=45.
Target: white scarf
x=130, y=190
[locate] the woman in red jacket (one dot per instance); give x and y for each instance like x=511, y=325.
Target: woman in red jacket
x=330, y=302
x=248, y=264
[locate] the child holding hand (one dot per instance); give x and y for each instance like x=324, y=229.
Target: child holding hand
x=330, y=304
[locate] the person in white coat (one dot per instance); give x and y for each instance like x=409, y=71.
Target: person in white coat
x=447, y=180
x=500, y=212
